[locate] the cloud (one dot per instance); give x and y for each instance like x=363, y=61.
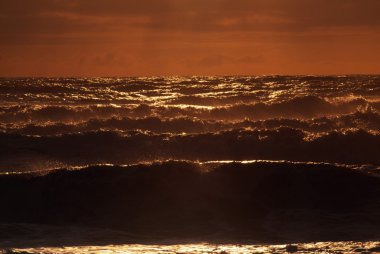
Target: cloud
x=41, y=17
x=164, y=36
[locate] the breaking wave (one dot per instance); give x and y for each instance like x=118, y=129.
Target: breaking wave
x=180, y=140
x=369, y=121
x=297, y=108
x=351, y=147
x=265, y=201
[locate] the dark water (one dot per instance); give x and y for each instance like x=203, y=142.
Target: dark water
x=271, y=159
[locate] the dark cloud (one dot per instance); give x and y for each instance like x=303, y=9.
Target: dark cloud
x=251, y=59
x=109, y=59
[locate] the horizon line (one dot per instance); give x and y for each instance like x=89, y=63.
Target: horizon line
x=169, y=76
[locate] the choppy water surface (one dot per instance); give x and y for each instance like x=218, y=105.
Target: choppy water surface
x=268, y=159
x=50, y=123
x=203, y=91
x=322, y=247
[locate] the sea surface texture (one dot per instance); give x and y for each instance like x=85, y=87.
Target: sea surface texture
x=217, y=164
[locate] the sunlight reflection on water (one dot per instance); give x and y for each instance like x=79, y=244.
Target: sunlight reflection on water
x=322, y=247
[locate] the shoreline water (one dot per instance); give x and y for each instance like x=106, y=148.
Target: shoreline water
x=272, y=202
x=209, y=248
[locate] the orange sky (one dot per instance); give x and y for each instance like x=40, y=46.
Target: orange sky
x=188, y=37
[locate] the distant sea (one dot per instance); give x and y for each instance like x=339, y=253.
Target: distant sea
x=190, y=164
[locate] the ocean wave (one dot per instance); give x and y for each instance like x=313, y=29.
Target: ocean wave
x=307, y=107
x=369, y=121
x=181, y=199
x=273, y=157
x=22, y=152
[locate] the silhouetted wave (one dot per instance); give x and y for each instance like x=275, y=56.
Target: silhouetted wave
x=369, y=121
x=257, y=201
x=33, y=152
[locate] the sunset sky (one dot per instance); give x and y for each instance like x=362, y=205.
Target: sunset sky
x=188, y=37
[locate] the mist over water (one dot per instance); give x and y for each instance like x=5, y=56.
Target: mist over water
x=271, y=159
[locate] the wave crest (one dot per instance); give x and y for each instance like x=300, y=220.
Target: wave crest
x=190, y=200
x=351, y=147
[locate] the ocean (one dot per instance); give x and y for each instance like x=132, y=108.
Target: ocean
x=190, y=164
